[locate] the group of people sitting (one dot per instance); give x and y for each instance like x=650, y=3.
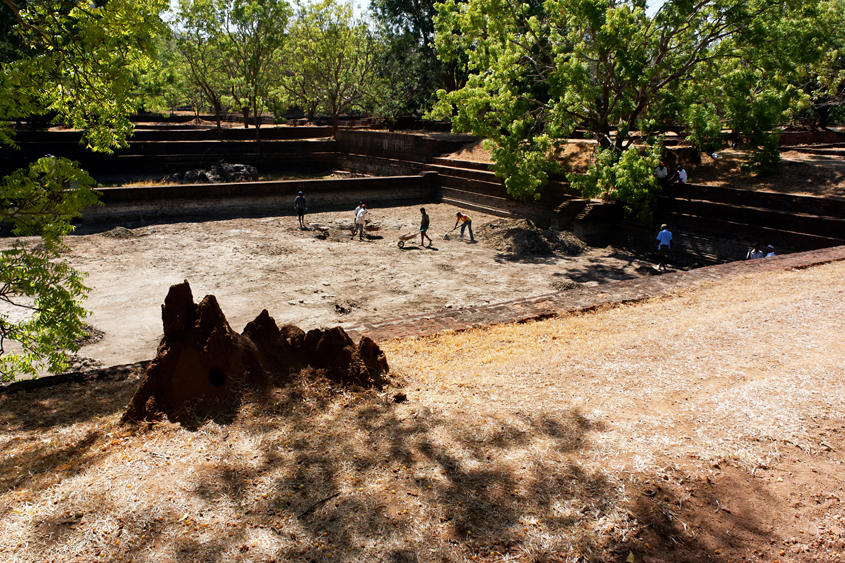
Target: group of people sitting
x=663, y=178
x=760, y=251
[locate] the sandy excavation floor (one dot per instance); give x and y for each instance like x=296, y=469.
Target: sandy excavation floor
x=309, y=280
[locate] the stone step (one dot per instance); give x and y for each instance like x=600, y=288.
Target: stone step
x=791, y=221
x=486, y=200
x=475, y=186
x=783, y=240
x=466, y=173
x=460, y=164
x=472, y=206
x=821, y=206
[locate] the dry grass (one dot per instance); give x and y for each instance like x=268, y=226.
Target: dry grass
x=576, y=156
x=516, y=443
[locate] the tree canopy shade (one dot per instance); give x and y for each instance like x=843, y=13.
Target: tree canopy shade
x=540, y=72
x=74, y=62
x=413, y=71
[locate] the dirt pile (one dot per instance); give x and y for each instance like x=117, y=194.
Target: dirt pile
x=203, y=368
x=521, y=237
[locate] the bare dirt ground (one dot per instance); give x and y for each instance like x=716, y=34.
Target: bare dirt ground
x=309, y=279
x=705, y=426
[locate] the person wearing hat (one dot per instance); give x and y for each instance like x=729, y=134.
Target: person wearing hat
x=359, y=221
x=770, y=251
x=299, y=205
x=662, y=174
x=424, y=222
x=664, y=243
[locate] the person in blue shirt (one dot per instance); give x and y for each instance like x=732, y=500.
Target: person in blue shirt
x=664, y=244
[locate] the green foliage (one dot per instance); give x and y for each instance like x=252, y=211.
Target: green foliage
x=331, y=61
x=704, y=126
x=410, y=67
x=40, y=293
x=75, y=62
x=626, y=177
x=197, y=38
x=765, y=160
x=254, y=32
x=541, y=71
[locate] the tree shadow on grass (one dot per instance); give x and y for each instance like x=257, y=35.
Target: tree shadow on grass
x=354, y=475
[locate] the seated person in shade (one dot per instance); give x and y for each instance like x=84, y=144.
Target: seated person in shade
x=756, y=251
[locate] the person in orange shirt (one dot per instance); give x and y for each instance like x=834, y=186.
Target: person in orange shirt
x=466, y=222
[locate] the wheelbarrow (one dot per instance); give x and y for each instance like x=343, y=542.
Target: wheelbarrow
x=407, y=236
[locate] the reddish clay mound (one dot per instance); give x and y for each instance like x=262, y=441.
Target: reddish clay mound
x=202, y=366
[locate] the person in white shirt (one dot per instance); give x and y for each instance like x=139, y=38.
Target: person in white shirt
x=755, y=252
x=682, y=174
x=359, y=221
x=662, y=174
x=664, y=243
x=770, y=251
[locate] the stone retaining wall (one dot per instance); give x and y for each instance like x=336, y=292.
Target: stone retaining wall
x=374, y=152
x=133, y=204
x=790, y=138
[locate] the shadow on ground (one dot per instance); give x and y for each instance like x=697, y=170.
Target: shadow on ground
x=358, y=476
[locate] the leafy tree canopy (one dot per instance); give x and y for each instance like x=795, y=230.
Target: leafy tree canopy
x=331, y=60
x=73, y=62
x=540, y=72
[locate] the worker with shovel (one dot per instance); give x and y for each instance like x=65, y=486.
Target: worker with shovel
x=465, y=222
x=360, y=221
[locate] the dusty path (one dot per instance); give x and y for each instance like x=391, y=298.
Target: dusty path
x=307, y=280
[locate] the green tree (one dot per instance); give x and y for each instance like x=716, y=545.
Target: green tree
x=166, y=85
x=410, y=66
x=199, y=41
x=542, y=70
x=825, y=81
x=330, y=60
x=73, y=61
x=254, y=35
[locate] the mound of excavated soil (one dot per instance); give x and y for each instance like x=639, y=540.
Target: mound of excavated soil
x=119, y=232
x=521, y=237
x=202, y=367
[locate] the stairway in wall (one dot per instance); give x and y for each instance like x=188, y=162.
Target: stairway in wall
x=790, y=223
x=472, y=186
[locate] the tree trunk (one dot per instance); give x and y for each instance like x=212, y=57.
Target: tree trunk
x=245, y=111
x=824, y=117
x=217, y=112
